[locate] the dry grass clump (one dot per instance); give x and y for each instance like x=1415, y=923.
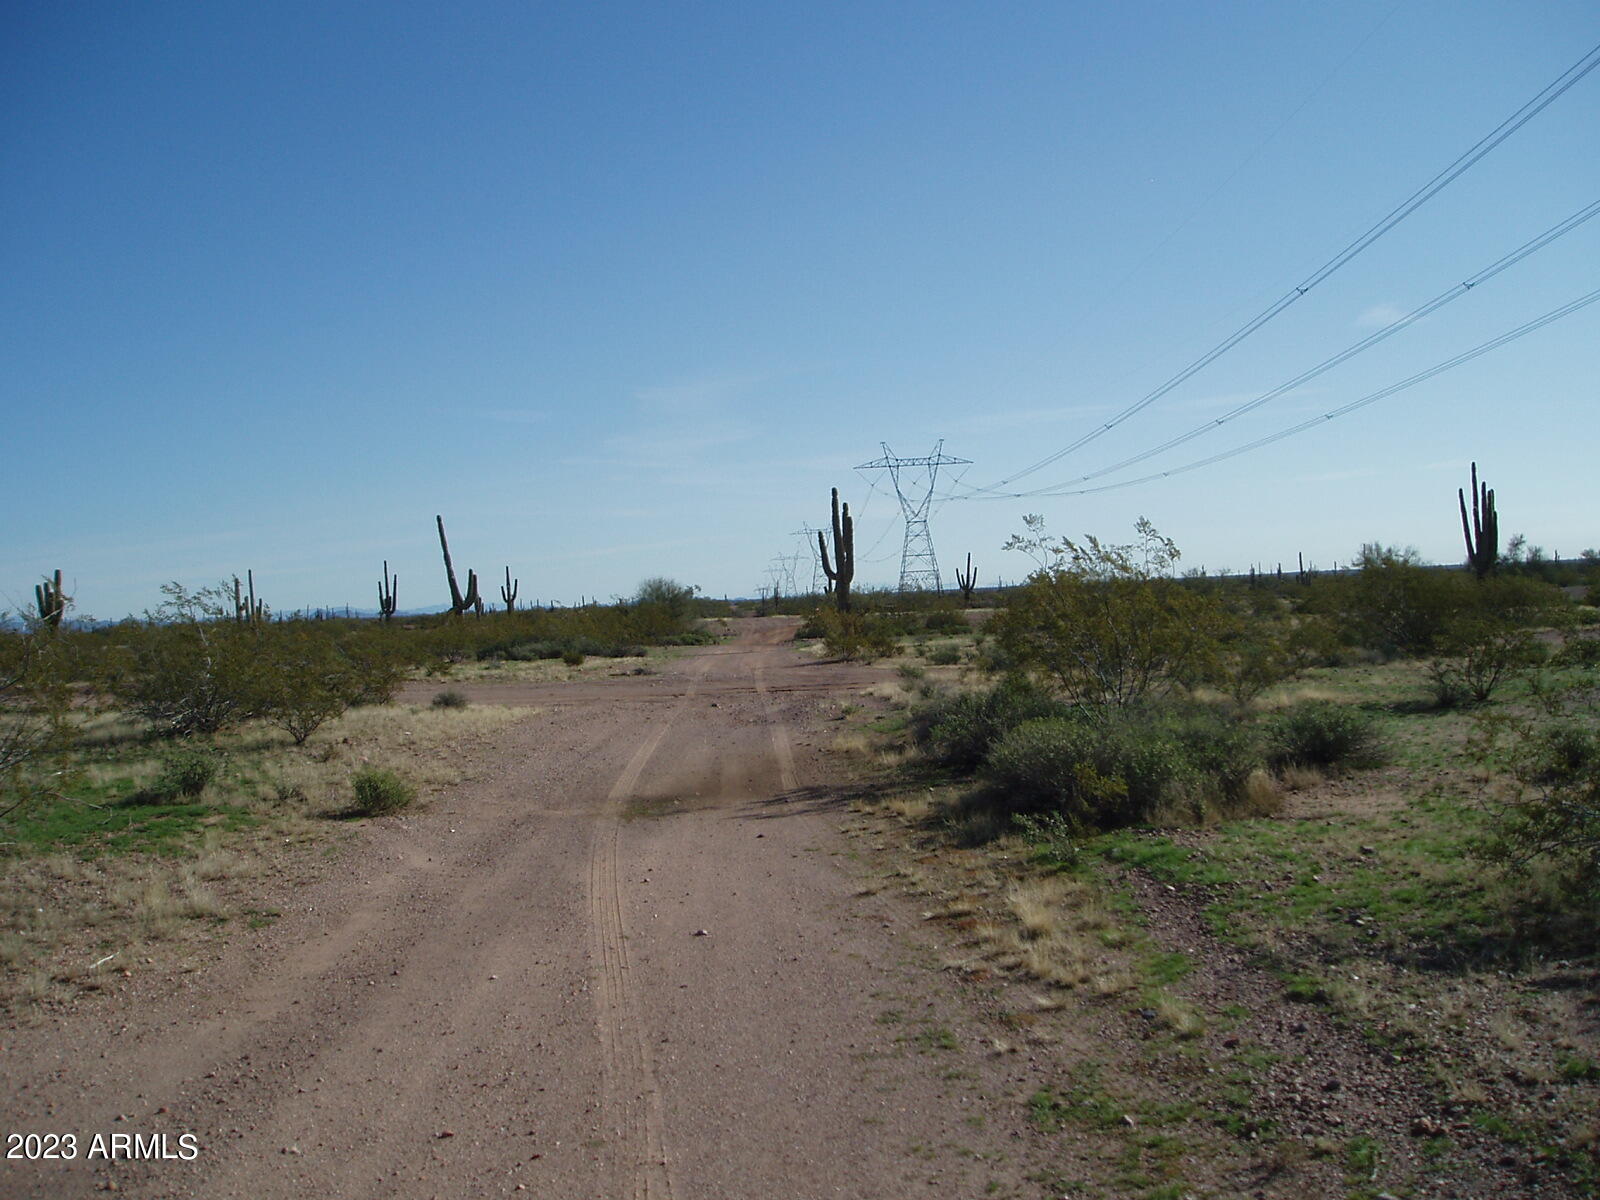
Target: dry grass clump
x=1056, y=935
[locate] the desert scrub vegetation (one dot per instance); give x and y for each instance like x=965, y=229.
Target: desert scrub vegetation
x=205, y=734
x=379, y=792
x=1378, y=786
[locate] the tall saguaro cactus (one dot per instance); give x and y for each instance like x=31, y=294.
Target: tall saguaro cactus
x=1483, y=534
x=843, y=568
x=247, y=610
x=52, y=602
x=388, y=592
x=459, y=602
x=967, y=580
x=508, y=591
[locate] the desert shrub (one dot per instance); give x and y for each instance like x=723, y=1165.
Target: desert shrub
x=945, y=656
x=1491, y=639
x=1323, y=734
x=1580, y=652
x=1253, y=654
x=301, y=679
x=450, y=698
x=959, y=730
x=945, y=620
x=573, y=658
x=374, y=667
x=191, y=673
x=661, y=607
x=856, y=635
x=689, y=637
x=1107, y=624
x=1392, y=604
x=184, y=775
x=1129, y=767
x=1477, y=655
x=1549, y=824
x=379, y=791
x=811, y=627
x=33, y=708
x=583, y=647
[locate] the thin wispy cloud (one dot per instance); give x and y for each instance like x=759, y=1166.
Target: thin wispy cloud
x=698, y=395
x=517, y=416
x=1379, y=315
x=1023, y=418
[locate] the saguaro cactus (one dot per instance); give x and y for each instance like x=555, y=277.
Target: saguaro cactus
x=508, y=591
x=388, y=592
x=247, y=610
x=459, y=602
x=843, y=568
x=51, y=600
x=967, y=580
x=1483, y=534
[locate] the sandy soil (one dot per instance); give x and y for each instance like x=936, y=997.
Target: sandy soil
x=632, y=960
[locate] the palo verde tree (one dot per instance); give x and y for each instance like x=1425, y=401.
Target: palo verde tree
x=1107, y=625
x=842, y=570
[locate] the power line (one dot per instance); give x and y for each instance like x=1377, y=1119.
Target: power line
x=1554, y=233
x=1371, y=398
x=1408, y=206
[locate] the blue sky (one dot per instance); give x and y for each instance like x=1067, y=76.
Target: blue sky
x=623, y=289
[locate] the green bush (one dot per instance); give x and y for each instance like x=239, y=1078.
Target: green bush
x=573, y=658
x=379, y=792
x=1579, y=651
x=450, y=699
x=946, y=620
x=184, y=775
x=1323, y=734
x=959, y=730
x=1108, y=624
x=944, y=656
x=856, y=635
x=1127, y=768
x=1478, y=653
x=1549, y=826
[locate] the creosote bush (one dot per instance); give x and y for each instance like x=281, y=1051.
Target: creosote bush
x=855, y=635
x=1126, y=767
x=450, y=698
x=379, y=792
x=959, y=730
x=1320, y=733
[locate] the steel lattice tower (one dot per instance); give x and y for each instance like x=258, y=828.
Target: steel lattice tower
x=809, y=534
x=919, y=569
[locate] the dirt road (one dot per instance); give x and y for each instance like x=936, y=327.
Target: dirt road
x=632, y=961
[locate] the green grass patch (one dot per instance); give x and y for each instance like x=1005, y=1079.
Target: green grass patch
x=93, y=829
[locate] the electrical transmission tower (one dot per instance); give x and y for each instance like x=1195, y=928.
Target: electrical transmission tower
x=919, y=569
x=809, y=534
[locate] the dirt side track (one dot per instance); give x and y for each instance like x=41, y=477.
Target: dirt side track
x=627, y=964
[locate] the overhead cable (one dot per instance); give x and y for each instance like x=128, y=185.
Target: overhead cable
x=1371, y=398
x=1416, y=200
x=1528, y=248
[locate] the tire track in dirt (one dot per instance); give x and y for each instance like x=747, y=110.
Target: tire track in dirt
x=633, y=1099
